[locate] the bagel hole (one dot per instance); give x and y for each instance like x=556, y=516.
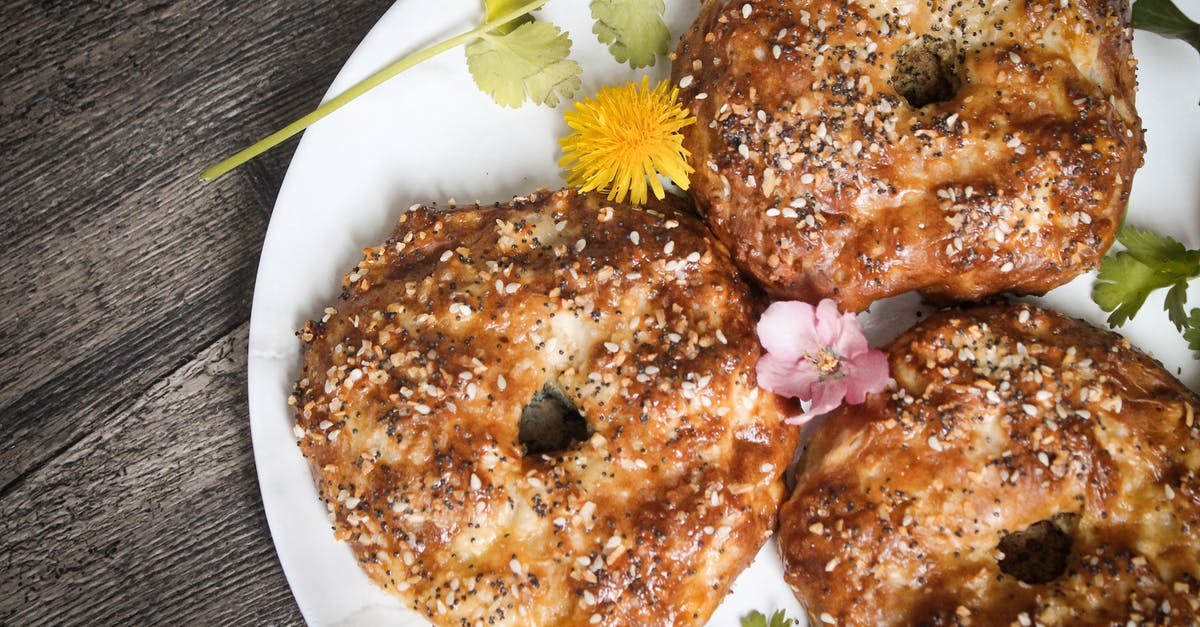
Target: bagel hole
x=551, y=423
x=1038, y=553
x=927, y=72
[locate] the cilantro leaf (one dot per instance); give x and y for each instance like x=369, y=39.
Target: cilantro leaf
x=495, y=8
x=1192, y=335
x=633, y=29
x=529, y=63
x=757, y=619
x=1174, y=304
x=1123, y=285
x=1161, y=252
x=1151, y=262
x=1162, y=17
x=754, y=619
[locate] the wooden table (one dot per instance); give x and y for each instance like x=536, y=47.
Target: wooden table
x=127, y=486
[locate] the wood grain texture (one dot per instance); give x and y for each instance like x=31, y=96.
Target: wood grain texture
x=127, y=493
x=149, y=518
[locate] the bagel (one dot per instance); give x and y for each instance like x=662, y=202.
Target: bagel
x=856, y=150
x=1026, y=469
x=545, y=413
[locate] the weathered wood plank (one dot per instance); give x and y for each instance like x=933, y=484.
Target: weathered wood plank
x=117, y=263
x=153, y=518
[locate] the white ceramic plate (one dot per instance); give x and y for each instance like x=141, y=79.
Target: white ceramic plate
x=430, y=135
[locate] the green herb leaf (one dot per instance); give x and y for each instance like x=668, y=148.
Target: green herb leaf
x=1192, y=335
x=1151, y=262
x=1160, y=252
x=496, y=8
x=754, y=619
x=1174, y=303
x=1164, y=18
x=633, y=29
x=530, y=63
x=1123, y=285
x=757, y=619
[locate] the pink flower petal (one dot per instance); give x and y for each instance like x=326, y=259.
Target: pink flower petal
x=866, y=373
x=827, y=395
x=786, y=377
x=829, y=322
x=794, y=333
x=798, y=420
x=786, y=330
x=851, y=341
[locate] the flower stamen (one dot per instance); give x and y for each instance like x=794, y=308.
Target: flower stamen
x=827, y=362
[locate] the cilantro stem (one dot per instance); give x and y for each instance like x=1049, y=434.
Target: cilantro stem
x=362, y=87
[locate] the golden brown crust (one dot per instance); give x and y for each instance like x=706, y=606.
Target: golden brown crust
x=414, y=385
x=1003, y=417
x=825, y=182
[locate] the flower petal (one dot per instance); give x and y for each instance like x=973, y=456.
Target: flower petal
x=827, y=396
x=786, y=329
x=850, y=340
x=828, y=322
x=786, y=377
x=798, y=420
x=866, y=373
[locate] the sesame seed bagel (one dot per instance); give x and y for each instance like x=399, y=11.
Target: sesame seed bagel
x=856, y=150
x=1026, y=469
x=545, y=413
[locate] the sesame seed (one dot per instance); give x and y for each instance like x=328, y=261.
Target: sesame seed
x=580, y=245
x=475, y=482
x=635, y=237
x=1007, y=267
x=685, y=82
x=670, y=247
x=421, y=409
x=447, y=255
x=746, y=9
x=612, y=347
x=501, y=382
x=827, y=618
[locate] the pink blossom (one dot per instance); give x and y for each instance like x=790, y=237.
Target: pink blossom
x=818, y=355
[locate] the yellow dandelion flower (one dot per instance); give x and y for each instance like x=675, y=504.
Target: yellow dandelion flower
x=625, y=138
